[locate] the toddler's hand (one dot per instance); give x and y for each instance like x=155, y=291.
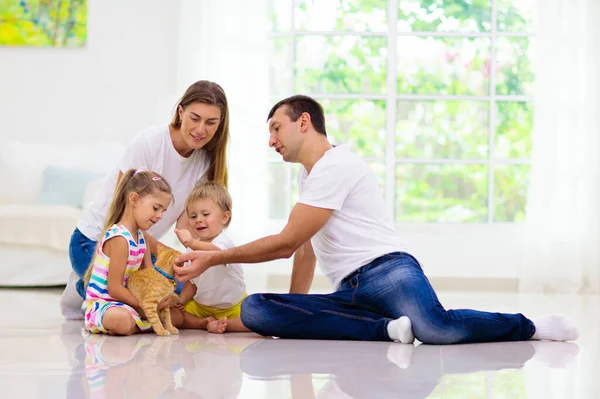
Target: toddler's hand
x=185, y=237
x=180, y=306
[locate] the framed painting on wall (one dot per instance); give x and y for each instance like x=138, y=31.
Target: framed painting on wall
x=43, y=23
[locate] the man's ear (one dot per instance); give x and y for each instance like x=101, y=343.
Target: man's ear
x=304, y=121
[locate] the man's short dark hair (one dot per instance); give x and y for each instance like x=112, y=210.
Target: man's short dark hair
x=297, y=105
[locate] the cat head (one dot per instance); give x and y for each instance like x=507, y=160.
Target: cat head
x=166, y=257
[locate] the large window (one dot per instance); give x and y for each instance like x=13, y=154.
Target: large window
x=435, y=95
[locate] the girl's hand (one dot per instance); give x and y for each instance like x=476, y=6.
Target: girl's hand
x=164, y=303
x=185, y=237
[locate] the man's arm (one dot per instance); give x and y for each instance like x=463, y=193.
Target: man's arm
x=304, y=222
x=303, y=271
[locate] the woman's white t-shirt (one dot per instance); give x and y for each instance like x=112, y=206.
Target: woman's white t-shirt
x=360, y=229
x=221, y=286
x=153, y=149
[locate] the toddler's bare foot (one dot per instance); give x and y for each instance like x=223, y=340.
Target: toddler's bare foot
x=217, y=326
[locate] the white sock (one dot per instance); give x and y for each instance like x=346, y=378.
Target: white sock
x=70, y=301
x=400, y=330
x=554, y=327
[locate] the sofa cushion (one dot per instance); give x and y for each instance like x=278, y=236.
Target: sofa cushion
x=65, y=186
x=23, y=167
x=48, y=226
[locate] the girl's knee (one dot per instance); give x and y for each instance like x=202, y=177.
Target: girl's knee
x=119, y=321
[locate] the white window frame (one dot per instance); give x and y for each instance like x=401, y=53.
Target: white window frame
x=392, y=97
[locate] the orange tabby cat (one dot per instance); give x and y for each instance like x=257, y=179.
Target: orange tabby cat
x=150, y=287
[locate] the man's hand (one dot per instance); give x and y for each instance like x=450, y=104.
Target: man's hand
x=185, y=237
x=200, y=263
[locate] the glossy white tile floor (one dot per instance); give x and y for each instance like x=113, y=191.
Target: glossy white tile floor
x=42, y=356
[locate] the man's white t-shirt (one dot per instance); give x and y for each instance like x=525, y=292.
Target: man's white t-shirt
x=153, y=149
x=221, y=286
x=359, y=230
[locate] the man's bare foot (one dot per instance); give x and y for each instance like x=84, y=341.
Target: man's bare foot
x=217, y=326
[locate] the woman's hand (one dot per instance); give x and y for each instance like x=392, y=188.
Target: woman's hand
x=200, y=262
x=185, y=237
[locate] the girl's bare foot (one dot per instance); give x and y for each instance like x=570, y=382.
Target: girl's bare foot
x=217, y=326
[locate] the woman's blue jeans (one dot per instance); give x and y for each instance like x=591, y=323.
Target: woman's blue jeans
x=389, y=287
x=81, y=252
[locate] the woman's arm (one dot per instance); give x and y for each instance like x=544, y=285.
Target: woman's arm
x=117, y=249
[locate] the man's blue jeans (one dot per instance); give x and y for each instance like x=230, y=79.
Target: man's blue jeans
x=81, y=252
x=387, y=288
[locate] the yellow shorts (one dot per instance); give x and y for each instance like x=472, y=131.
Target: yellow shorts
x=197, y=309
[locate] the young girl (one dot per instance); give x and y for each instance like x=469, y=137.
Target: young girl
x=139, y=202
x=211, y=301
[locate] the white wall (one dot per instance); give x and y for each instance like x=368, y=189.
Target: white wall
x=141, y=55
x=120, y=82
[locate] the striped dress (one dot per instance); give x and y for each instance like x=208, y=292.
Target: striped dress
x=97, y=298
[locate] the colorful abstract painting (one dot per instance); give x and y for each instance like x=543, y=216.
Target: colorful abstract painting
x=43, y=23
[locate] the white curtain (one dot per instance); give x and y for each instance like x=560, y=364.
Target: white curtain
x=227, y=42
x=562, y=240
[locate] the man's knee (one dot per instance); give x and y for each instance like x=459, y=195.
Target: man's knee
x=253, y=312
x=432, y=333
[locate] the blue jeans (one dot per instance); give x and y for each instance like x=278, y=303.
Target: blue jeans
x=81, y=252
x=385, y=289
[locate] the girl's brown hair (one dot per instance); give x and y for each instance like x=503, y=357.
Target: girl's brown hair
x=211, y=191
x=143, y=182
x=208, y=92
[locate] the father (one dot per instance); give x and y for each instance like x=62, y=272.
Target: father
x=340, y=220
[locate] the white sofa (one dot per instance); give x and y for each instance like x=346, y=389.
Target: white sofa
x=42, y=190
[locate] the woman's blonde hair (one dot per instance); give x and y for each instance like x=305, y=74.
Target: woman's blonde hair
x=211, y=191
x=207, y=92
x=142, y=182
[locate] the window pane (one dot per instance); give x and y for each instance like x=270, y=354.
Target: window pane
x=514, y=126
x=442, y=129
x=360, y=123
x=379, y=169
x=514, y=70
x=279, y=187
x=441, y=193
x=341, y=15
x=280, y=15
x=295, y=167
x=517, y=15
x=280, y=74
x=510, y=195
x=444, y=16
x=341, y=64
x=443, y=65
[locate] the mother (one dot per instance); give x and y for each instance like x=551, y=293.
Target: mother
x=191, y=148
